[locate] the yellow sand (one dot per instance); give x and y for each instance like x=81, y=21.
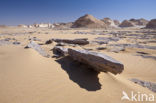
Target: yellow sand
x=27, y=77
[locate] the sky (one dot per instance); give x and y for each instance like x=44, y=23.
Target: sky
x=14, y=12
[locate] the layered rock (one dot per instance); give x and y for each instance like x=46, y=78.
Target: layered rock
x=110, y=23
x=116, y=22
x=127, y=23
x=139, y=22
x=88, y=21
x=107, y=21
x=100, y=62
x=151, y=24
x=63, y=25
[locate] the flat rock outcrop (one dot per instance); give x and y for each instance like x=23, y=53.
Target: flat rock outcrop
x=151, y=86
x=38, y=48
x=100, y=62
x=151, y=24
x=5, y=41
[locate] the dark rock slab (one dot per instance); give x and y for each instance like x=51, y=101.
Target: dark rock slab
x=149, y=56
x=151, y=86
x=100, y=62
x=101, y=48
x=16, y=43
x=140, y=52
x=81, y=41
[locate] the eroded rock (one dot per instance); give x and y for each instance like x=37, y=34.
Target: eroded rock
x=151, y=86
x=75, y=41
x=16, y=43
x=100, y=62
x=60, y=51
x=81, y=41
x=38, y=48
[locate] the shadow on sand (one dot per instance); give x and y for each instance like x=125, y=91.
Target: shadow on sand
x=78, y=73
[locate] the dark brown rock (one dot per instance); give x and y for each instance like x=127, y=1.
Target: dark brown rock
x=80, y=41
x=49, y=42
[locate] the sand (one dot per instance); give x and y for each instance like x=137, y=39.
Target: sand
x=28, y=77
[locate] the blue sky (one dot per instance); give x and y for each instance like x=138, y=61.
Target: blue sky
x=13, y=12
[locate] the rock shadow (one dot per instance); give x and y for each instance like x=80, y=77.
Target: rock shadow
x=80, y=73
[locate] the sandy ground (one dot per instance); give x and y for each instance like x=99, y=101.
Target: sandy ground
x=28, y=77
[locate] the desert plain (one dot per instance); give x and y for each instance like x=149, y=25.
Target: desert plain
x=28, y=77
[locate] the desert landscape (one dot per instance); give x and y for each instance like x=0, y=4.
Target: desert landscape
x=85, y=61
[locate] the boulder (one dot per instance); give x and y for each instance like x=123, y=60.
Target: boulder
x=38, y=48
x=98, y=61
x=49, y=41
x=151, y=24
